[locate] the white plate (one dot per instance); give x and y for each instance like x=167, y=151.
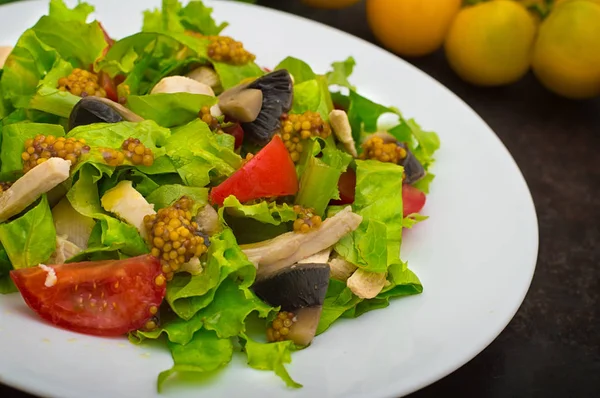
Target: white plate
x=475, y=255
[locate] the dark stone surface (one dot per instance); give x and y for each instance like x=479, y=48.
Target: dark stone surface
x=552, y=346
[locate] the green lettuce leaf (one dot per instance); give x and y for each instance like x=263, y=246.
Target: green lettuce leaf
x=6, y=284
x=27, y=64
x=299, y=69
x=114, y=234
x=195, y=16
x=200, y=155
x=166, y=195
x=340, y=73
x=169, y=110
x=204, y=353
x=339, y=300
x=79, y=13
x=232, y=75
x=48, y=98
x=188, y=294
x=264, y=212
x=271, y=356
x=31, y=238
x=76, y=41
x=375, y=244
x=313, y=95
x=112, y=135
x=13, y=143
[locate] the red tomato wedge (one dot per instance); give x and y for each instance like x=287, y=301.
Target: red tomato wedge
x=109, y=86
x=105, y=298
x=413, y=199
x=346, y=186
x=270, y=172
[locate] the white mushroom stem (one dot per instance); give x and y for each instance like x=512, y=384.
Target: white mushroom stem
x=181, y=84
x=4, y=53
x=365, y=284
x=340, y=124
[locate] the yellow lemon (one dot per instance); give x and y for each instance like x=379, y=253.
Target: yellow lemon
x=411, y=27
x=566, y=55
x=489, y=44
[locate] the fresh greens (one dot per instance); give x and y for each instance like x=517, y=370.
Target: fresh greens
x=169, y=110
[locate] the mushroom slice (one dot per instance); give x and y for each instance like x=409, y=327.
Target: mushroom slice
x=299, y=290
x=272, y=255
x=342, y=130
x=4, y=53
x=277, y=96
x=241, y=105
x=91, y=110
x=366, y=284
x=37, y=181
x=181, y=84
x=208, y=220
x=341, y=269
x=206, y=75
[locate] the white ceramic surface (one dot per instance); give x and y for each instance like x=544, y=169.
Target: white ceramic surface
x=475, y=255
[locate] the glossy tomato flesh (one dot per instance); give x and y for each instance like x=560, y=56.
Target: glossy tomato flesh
x=413, y=199
x=346, y=186
x=237, y=132
x=269, y=173
x=106, y=298
x=109, y=86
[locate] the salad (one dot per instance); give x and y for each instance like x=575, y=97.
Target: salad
x=164, y=186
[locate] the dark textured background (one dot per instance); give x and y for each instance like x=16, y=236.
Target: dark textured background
x=552, y=346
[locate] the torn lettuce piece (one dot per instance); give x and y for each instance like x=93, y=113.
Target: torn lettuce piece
x=48, y=98
x=31, y=238
x=169, y=110
x=173, y=17
x=339, y=299
x=6, y=283
x=166, y=195
x=204, y=353
x=313, y=95
x=112, y=135
x=340, y=72
x=232, y=75
x=299, y=69
x=201, y=156
x=113, y=234
x=60, y=11
x=13, y=143
x=188, y=294
x=376, y=243
x=271, y=356
x=264, y=212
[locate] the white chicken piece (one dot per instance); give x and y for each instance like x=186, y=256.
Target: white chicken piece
x=365, y=284
x=318, y=258
x=341, y=269
x=340, y=124
x=4, y=53
x=208, y=220
x=181, y=84
x=128, y=204
x=206, y=75
x=289, y=248
x=65, y=249
x=32, y=185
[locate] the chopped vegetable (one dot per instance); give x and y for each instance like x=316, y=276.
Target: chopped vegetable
x=269, y=173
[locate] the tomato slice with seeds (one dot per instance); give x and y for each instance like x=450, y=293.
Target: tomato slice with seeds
x=271, y=172
x=413, y=199
x=105, y=298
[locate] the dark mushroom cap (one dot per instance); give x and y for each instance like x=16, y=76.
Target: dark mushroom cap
x=413, y=169
x=295, y=287
x=278, y=94
x=89, y=110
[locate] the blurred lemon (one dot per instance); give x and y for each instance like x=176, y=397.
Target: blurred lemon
x=566, y=55
x=331, y=4
x=489, y=44
x=411, y=27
